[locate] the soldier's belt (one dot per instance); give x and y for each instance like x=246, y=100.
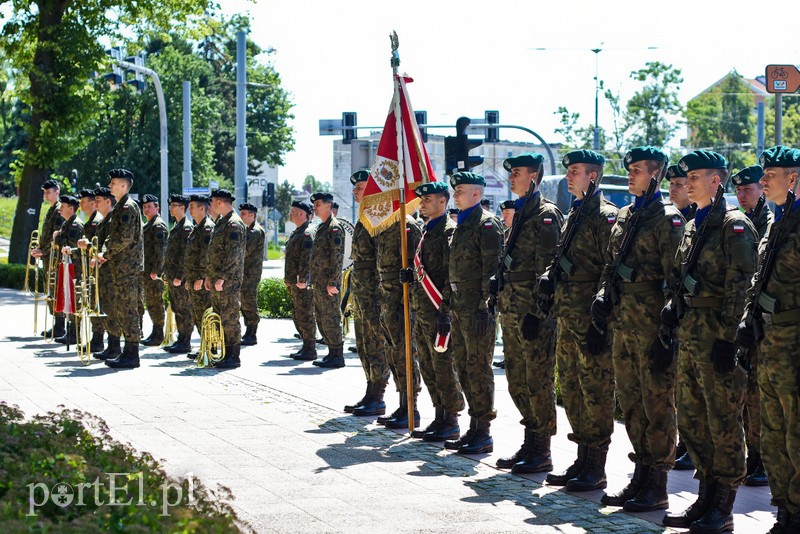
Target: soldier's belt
x=631, y=288
x=465, y=285
x=790, y=316
x=360, y=265
x=703, y=302
x=584, y=277
x=519, y=276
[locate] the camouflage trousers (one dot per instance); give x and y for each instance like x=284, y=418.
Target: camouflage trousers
x=180, y=302
x=473, y=356
x=303, y=312
x=226, y=304
x=587, y=385
x=778, y=377
x=393, y=326
x=124, y=319
x=249, y=298
x=369, y=337
x=154, y=299
x=200, y=301
x=328, y=313
x=709, y=404
x=752, y=409
x=437, y=368
x=530, y=371
x=647, y=400
x=106, y=287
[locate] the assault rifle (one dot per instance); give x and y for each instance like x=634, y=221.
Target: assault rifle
x=759, y=208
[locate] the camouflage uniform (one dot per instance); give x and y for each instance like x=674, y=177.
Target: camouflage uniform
x=474, y=254
x=90, y=229
x=124, y=252
x=52, y=222
x=325, y=269
x=530, y=364
x=391, y=300
x=296, y=268
x=177, y=243
x=253, y=258
x=438, y=368
x=90, y=226
x=710, y=405
x=155, y=234
x=586, y=381
x=194, y=268
x=105, y=282
x=226, y=262
x=68, y=235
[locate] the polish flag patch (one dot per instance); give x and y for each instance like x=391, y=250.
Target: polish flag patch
x=611, y=220
x=738, y=228
x=547, y=220
x=677, y=222
x=487, y=224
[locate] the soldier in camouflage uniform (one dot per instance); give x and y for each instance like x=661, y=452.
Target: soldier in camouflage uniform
x=154, y=233
x=364, y=292
x=474, y=254
x=678, y=194
x=67, y=240
x=253, y=261
x=124, y=252
x=52, y=222
x=104, y=201
x=295, y=275
x=528, y=338
x=586, y=380
x=88, y=205
x=779, y=366
x=507, y=210
x=179, y=299
x=711, y=389
x=225, y=271
x=196, y=259
x=645, y=376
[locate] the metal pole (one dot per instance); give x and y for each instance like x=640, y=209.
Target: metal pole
x=760, y=129
x=596, y=143
x=778, y=119
x=240, y=154
x=186, y=180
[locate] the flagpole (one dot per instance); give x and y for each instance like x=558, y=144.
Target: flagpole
x=395, y=61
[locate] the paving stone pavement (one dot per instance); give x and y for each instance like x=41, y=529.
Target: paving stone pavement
x=274, y=434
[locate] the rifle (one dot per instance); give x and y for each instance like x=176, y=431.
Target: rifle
x=759, y=208
x=561, y=268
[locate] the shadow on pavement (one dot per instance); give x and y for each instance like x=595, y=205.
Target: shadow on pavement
x=20, y=339
x=82, y=372
x=283, y=362
x=362, y=447
x=155, y=355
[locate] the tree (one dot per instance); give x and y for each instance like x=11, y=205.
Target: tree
x=575, y=137
x=311, y=185
x=283, y=202
x=651, y=112
x=790, y=118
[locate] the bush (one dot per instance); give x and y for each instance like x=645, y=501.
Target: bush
x=49, y=457
x=274, y=300
x=12, y=275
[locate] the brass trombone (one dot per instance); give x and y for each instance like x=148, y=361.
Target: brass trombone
x=212, y=340
x=33, y=263
x=94, y=279
x=83, y=299
x=170, y=326
x=51, y=285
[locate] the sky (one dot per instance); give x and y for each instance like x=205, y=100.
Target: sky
x=469, y=56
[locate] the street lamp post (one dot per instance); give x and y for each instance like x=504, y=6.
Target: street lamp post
x=596, y=142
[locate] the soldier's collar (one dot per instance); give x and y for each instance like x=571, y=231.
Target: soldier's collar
x=433, y=222
x=463, y=214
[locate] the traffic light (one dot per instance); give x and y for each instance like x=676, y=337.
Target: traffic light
x=456, y=149
x=268, y=196
x=349, y=118
x=450, y=154
x=492, y=134
x=422, y=118
x=73, y=179
x=117, y=75
x=138, y=77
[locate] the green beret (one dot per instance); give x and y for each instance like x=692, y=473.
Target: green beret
x=780, y=156
x=466, y=178
x=432, y=188
x=508, y=205
x=50, y=184
x=86, y=193
x=644, y=153
x=528, y=159
x=325, y=197
x=69, y=199
x=125, y=174
x=103, y=192
x=247, y=207
x=303, y=205
x=748, y=175
x=673, y=171
x=202, y=199
x=589, y=157
x=359, y=176
x=223, y=194
x=179, y=199
x=702, y=159
x=148, y=198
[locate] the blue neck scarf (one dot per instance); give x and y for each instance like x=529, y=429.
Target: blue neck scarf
x=701, y=214
x=780, y=210
x=639, y=200
x=463, y=214
x=433, y=222
x=520, y=202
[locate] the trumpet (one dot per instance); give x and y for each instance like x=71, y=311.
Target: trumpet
x=212, y=340
x=51, y=284
x=170, y=327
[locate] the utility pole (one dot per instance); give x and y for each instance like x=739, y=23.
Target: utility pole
x=240, y=154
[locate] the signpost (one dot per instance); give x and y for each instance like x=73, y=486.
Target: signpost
x=781, y=79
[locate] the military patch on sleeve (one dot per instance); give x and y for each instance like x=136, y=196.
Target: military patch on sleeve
x=125, y=207
x=73, y=233
x=611, y=219
x=160, y=236
x=337, y=241
x=335, y=230
x=207, y=240
x=234, y=236
x=738, y=228
x=487, y=224
x=676, y=222
x=547, y=220
x=187, y=229
x=124, y=217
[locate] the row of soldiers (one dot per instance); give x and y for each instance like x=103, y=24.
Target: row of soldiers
x=210, y=258
x=635, y=301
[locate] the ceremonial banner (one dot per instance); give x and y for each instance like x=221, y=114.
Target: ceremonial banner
x=401, y=162
x=65, y=288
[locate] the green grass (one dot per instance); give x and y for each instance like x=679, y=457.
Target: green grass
x=273, y=254
x=7, y=207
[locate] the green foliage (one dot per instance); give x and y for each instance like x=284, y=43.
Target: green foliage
x=7, y=206
x=791, y=121
x=283, y=202
x=575, y=137
x=12, y=275
x=274, y=300
x=651, y=112
x=312, y=185
x=72, y=447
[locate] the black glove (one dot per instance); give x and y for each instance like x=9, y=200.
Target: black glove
x=494, y=286
x=662, y=354
x=406, y=275
x=601, y=309
x=530, y=327
x=442, y=323
x=595, y=341
x=723, y=355
x=481, y=322
x=669, y=316
x=745, y=336
x=547, y=289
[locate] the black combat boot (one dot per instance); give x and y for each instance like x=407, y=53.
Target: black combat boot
x=333, y=360
x=509, y=461
x=231, y=360
x=448, y=429
x=695, y=510
x=307, y=353
x=375, y=404
x=112, y=351
x=58, y=328
x=653, y=493
x=155, y=338
x=572, y=471
x=593, y=475
x=182, y=345
x=455, y=444
x=640, y=473
x=249, y=337
x=348, y=408
x=69, y=337
x=782, y=521
x=792, y=522
x=538, y=459
x=129, y=359
x=683, y=462
x=481, y=441
x=500, y=363
x=718, y=516
x=401, y=419
x=432, y=426
x=756, y=476
x=382, y=419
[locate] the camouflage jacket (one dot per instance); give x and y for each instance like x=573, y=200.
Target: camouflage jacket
x=101, y=233
x=155, y=234
x=725, y=266
x=434, y=253
x=52, y=222
x=474, y=255
x=90, y=226
x=176, y=248
x=124, y=247
x=254, y=253
x=765, y=218
x=68, y=235
x=327, y=255
x=195, y=256
x=588, y=253
x=298, y=254
x=539, y=226
x=364, y=252
x=226, y=250
x=388, y=255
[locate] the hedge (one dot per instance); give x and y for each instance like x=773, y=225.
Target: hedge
x=12, y=275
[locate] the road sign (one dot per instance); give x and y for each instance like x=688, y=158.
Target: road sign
x=196, y=191
x=330, y=126
x=782, y=79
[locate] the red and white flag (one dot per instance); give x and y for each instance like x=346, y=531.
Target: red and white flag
x=401, y=162
x=65, y=288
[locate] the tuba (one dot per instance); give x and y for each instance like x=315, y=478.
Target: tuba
x=170, y=327
x=212, y=340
